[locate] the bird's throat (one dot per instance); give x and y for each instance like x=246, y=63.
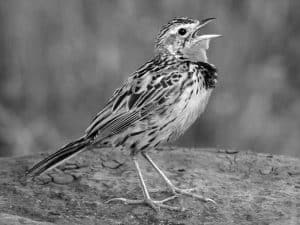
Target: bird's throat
x=195, y=54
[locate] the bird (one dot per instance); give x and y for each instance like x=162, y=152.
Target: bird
x=155, y=105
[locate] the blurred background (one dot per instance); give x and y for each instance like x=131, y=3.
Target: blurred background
x=61, y=60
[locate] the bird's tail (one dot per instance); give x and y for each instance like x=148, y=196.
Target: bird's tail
x=58, y=157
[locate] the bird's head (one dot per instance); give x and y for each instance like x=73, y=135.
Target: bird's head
x=183, y=39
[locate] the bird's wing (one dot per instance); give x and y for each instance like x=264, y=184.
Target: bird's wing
x=146, y=92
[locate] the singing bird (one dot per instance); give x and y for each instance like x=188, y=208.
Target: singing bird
x=155, y=105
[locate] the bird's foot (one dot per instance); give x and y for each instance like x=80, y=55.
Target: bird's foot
x=154, y=204
x=188, y=192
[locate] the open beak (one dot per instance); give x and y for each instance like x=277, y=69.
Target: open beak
x=202, y=24
x=202, y=40
x=208, y=36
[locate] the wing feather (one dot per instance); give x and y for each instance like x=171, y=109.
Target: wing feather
x=138, y=98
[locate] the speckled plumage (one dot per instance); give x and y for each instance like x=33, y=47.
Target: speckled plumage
x=157, y=103
x=145, y=111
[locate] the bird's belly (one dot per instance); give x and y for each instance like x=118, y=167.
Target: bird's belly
x=188, y=114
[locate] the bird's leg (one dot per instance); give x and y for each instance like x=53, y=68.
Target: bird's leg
x=173, y=188
x=155, y=204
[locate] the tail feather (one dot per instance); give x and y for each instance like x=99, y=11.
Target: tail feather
x=58, y=157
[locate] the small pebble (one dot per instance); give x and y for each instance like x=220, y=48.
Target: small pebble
x=62, y=179
x=70, y=167
x=112, y=164
x=44, y=179
x=181, y=169
x=266, y=170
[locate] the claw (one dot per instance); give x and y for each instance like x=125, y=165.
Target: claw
x=187, y=192
x=177, y=191
x=201, y=198
x=125, y=201
x=174, y=189
x=154, y=204
x=211, y=201
x=169, y=198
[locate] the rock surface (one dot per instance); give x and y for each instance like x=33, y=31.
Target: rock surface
x=249, y=188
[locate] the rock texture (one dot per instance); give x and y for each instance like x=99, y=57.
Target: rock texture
x=249, y=188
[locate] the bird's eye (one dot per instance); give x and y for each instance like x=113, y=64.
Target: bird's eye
x=182, y=31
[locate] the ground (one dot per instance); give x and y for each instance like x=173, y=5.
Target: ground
x=249, y=188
